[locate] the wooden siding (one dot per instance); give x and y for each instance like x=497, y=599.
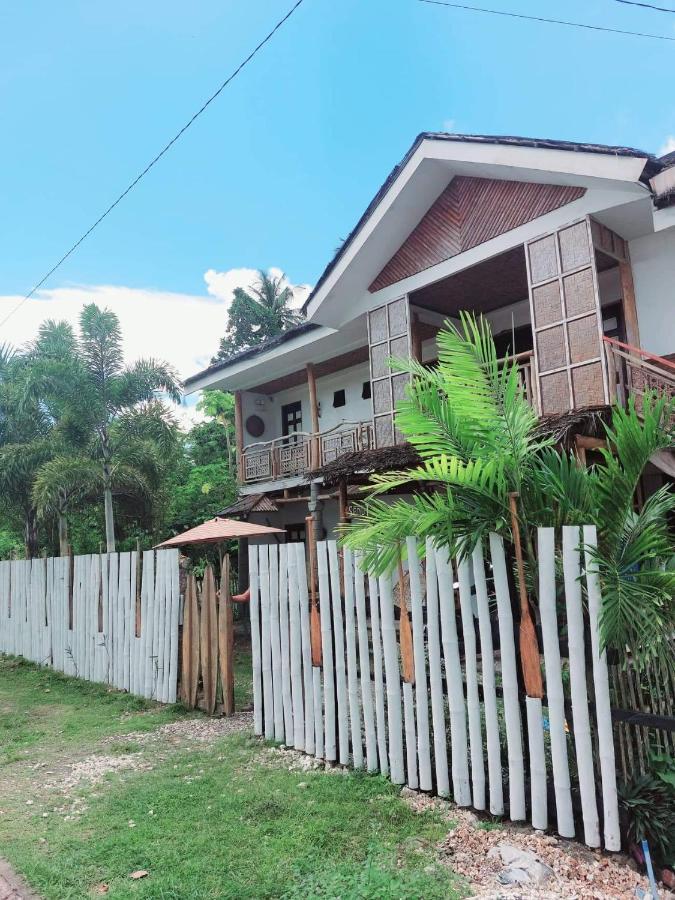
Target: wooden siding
x=469, y=212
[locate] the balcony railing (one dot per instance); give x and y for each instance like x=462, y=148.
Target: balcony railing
x=525, y=365
x=634, y=371
x=292, y=455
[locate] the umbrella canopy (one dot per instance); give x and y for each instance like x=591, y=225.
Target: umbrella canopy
x=215, y=531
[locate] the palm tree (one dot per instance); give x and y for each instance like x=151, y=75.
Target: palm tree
x=114, y=407
x=258, y=314
x=480, y=443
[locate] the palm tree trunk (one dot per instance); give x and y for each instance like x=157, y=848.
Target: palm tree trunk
x=63, y=534
x=31, y=534
x=107, y=496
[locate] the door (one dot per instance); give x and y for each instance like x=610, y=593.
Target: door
x=291, y=418
x=566, y=320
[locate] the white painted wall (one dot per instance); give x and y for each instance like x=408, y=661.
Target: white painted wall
x=356, y=409
x=653, y=261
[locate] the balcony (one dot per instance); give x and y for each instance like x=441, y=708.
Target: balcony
x=291, y=456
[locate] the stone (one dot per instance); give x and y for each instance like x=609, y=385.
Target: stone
x=520, y=866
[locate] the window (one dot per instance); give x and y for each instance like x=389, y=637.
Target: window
x=295, y=534
x=339, y=398
x=291, y=418
x=365, y=391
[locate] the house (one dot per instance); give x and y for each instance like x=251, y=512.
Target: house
x=569, y=251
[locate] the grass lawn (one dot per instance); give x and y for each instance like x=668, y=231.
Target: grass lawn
x=223, y=817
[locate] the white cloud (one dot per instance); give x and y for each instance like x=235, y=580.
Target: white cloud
x=182, y=329
x=668, y=146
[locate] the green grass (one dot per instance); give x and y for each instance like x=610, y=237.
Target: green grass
x=229, y=821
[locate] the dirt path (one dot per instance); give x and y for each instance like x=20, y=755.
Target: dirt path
x=11, y=886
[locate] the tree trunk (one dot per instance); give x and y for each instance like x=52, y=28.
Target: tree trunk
x=63, y=528
x=107, y=496
x=31, y=534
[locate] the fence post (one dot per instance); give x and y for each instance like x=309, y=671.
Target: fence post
x=226, y=637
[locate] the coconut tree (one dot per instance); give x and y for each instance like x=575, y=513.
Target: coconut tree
x=481, y=445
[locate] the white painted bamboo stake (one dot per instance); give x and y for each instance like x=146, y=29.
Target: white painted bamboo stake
x=421, y=687
x=435, y=676
x=295, y=650
x=317, y=695
x=339, y=641
x=168, y=585
x=554, y=685
x=507, y=646
x=489, y=686
x=577, y=660
x=147, y=609
x=175, y=615
x=412, y=779
x=535, y=735
x=364, y=665
x=313, y=727
x=266, y=641
x=352, y=672
x=603, y=713
x=374, y=596
x=393, y=680
x=129, y=567
x=284, y=643
x=461, y=786
x=256, y=652
x=277, y=687
x=472, y=699
x=327, y=651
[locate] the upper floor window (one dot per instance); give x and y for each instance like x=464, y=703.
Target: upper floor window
x=339, y=398
x=365, y=391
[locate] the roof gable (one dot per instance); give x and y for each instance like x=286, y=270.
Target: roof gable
x=469, y=212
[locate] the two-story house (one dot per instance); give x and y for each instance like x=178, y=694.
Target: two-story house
x=568, y=249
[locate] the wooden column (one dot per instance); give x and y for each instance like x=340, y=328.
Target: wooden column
x=314, y=458
x=630, y=315
x=416, y=339
x=343, y=500
x=239, y=435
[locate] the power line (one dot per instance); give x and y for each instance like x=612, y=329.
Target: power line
x=646, y=5
x=513, y=15
x=156, y=159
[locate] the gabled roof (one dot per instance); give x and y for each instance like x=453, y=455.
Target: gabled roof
x=652, y=165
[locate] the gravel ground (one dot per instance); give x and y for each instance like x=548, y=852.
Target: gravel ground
x=578, y=872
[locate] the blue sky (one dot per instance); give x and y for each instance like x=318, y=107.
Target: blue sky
x=281, y=166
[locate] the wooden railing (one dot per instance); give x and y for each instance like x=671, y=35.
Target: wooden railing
x=525, y=366
x=637, y=372
x=292, y=455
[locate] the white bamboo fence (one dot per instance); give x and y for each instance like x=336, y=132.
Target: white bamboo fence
x=114, y=621
x=460, y=727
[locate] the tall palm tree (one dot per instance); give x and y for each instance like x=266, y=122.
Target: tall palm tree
x=480, y=442
x=104, y=399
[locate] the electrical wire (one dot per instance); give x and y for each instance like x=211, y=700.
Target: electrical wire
x=514, y=15
x=155, y=160
x=646, y=5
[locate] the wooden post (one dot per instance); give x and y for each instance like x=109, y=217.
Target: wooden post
x=416, y=339
x=343, y=501
x=239, y=435
x=405, y=631
x=529, y=647
x=630, y=315
x=226, y=636
x=314, y=455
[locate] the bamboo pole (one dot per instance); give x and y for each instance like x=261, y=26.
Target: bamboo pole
x=435, y=677
x=256, y=652
x=296, y=651
x=275, y=638
x=314, y=618
x=461, y=787
x=266, y=642
x=364, y=665
x=339, y=645
x=489, y=688
x=410, y=738
x=554, y=685
x=312, y=694
x=405, y=632
x=577, y=661
x=472, y=701
x=529, y=649
x=226, y=637
x=352, y=670
x=421, y=689
x=514, y=739
x=603, y=713
x=374, y=595
x=327, y=652
x=286, y=551
x=393, y=679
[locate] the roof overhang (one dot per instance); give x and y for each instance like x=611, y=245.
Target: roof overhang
x=424, y=173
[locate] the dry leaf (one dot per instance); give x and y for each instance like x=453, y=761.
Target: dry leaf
x=101, y=889
x=139, y=873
